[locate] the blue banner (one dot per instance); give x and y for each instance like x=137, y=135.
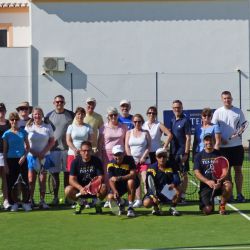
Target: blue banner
x=193, y=114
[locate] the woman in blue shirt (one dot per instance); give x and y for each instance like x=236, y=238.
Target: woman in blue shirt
x=206, y=127
x=15, y=148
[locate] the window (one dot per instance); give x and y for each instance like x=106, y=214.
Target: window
x=6, y=35
x=3, y=38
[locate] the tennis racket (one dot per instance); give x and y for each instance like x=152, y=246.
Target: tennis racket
x=46, y=164
x=193, y=184
x=93, y=187
x=20, y=190
x=114, y=205
x=240, y=130
x=219, y=171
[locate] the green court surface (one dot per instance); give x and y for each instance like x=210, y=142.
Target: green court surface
x=59, y=228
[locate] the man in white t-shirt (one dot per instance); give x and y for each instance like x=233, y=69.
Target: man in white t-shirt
x=229, y=119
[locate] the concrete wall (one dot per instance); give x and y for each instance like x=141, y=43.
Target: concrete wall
x=114, y=49
x=14, y=76
x=21, y=27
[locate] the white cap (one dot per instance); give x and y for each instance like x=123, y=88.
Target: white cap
x=91, y=99
x=161, y=151
x=117, y=149
x=125, y=102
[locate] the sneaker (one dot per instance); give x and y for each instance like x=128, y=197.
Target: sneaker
x=14, y=207
x=55, y=201
x=231, y=199
x=121, y=209
x=78, y=208
x=131, y=212
x=26, y=207
x=106, y=204
x=174, y=212
x=32, y=203
x=240, y=198
x=156, y=211
x=137, y=204
x=6, y=205
x=43, y=205
x=98, y=208
x=222, y=210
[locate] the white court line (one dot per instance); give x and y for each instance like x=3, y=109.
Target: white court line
x=232, y=207
x=237, y=210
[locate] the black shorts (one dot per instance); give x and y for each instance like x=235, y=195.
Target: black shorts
x=235, y=155
x=122, y=187
x=205, y=196
x=177, y=159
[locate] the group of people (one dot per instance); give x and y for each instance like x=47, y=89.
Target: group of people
x=124, y=153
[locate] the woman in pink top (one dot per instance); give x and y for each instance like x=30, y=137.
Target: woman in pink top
x=110, y=134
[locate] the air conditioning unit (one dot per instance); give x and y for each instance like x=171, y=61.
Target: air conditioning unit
x=54, y=64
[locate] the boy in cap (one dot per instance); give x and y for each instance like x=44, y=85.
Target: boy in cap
x=122, y=179
x=163, y=172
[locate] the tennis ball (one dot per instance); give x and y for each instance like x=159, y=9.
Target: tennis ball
x=61, y=201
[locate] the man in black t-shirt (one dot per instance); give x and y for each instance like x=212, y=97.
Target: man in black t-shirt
x=122, y=179
x=83, y=169
x=203, y=164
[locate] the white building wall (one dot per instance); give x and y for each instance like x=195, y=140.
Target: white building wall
x=14, y=76
x=21, y=27
x=114, y=49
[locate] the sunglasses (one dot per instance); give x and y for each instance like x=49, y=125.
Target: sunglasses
x=137, y=121
x=113, y=115
x=86, y=151
x=178, y=107
x=118, y=154
x=161, y=156
x=23, y=108
x=14, y=120
x=58, y=102
x=151, y=113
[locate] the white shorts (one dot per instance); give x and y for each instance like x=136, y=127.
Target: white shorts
x=1, y=160
x=59, y=158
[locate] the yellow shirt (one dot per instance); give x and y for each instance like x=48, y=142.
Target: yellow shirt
x=95, y=121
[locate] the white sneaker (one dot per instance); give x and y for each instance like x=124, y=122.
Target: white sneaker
x=131, y=212
x=137, y=203
x=43, y=205
x=26, y=207
x=106, y=204
x=14, y=207
x=6, y=205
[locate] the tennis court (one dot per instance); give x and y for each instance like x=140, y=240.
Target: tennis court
x=58, y=228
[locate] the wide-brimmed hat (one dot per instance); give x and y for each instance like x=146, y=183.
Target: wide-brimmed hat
x=24, y=105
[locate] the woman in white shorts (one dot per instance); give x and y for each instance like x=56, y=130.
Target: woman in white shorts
x=4, y=126
x=41, y=139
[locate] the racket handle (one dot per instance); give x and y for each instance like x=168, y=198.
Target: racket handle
x=78, y=195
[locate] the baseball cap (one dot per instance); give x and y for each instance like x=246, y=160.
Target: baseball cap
x=2, y=107
x=122, y=102
x=161, y=151
x=117, y=149
x=91, y=99
x=207, y=135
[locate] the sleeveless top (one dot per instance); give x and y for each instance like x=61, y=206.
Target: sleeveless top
x=155, y=134
x=138, y=145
